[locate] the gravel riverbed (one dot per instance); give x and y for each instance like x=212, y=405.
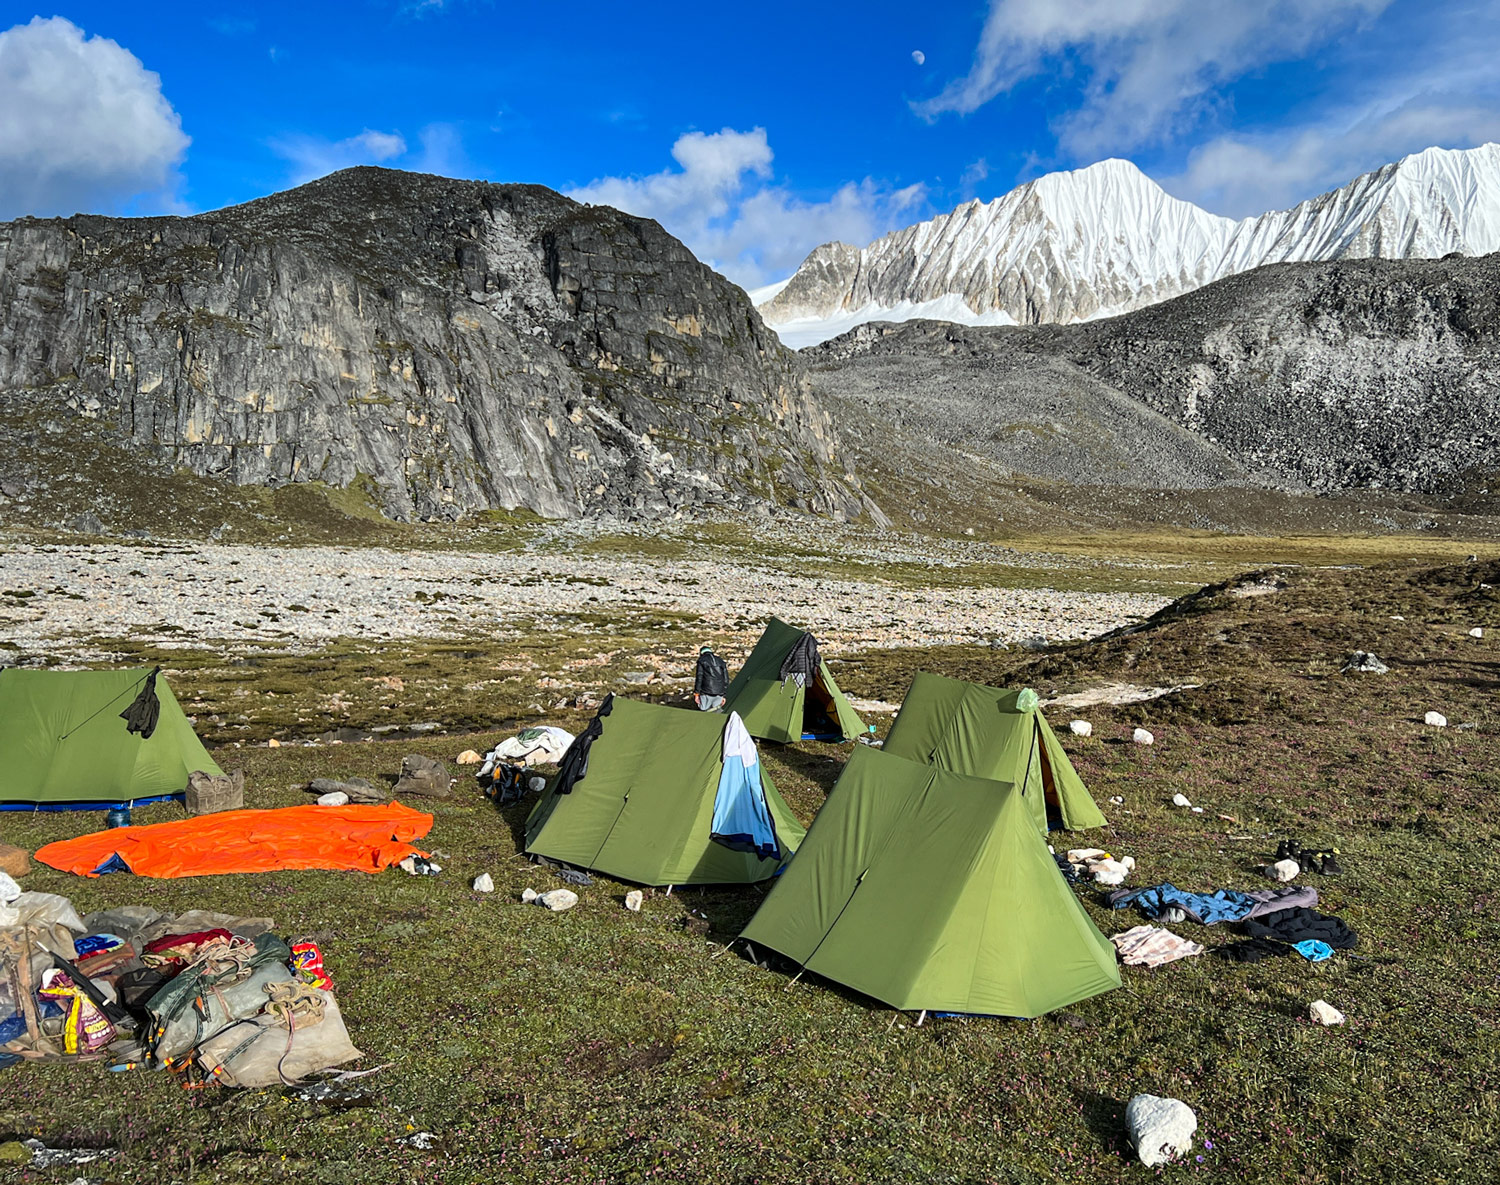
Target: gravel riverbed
x=55, y=600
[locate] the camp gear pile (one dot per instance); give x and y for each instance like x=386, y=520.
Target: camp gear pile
x=361, y=838
x=208, y=996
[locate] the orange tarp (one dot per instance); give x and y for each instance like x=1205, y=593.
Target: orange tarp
x=364, y=838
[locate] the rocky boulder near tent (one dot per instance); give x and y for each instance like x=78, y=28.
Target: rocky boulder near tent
x=663, y=796
x=88, y=739
x=987, y=732
x=926, y=889
x=785, y=691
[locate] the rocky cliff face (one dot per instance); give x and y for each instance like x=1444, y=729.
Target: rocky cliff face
x=456, y=345
x=1327, y=376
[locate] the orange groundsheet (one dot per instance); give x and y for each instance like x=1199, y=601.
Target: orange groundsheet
x=363, y=838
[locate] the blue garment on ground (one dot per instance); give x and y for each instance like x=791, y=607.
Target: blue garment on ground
x=1225, y=905
x=742, y=819
x=1312, y=950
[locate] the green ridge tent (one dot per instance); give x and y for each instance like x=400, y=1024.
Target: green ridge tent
x=643, y=809
x=780, y=710
x=989, y=733
x=926, y=889
x=63, y=743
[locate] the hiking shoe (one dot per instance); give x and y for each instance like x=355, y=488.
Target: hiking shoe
x=1330, y=864
x=1281, y=850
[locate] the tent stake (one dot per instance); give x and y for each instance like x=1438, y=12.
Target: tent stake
x=726, y=948
x=791, y=983
x=669, y=890
x=921, y=1018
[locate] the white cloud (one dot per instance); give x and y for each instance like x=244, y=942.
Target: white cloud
x=312, y=157
x=1149, y=68
x=1450, y=99
x=83, y=125
x=1243, y=175
x=722, y=202
x=918, y=57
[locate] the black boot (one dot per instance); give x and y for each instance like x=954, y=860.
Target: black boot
x=1330, y=864
x=1281, y=850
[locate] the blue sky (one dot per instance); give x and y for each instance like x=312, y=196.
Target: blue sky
x=754, y=132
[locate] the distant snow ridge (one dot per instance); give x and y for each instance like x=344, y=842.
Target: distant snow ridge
x=1104, y=240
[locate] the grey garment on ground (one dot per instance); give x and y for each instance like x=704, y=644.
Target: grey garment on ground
x=358, y=789
x=710, y=703
x=1266, y=901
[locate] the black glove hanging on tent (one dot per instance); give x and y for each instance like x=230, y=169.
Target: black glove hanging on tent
x=144, y=710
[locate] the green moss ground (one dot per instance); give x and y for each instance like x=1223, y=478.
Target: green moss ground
x=601, y=1045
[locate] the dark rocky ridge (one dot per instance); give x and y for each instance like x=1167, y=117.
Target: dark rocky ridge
x=458, y=345
x=1321, y=377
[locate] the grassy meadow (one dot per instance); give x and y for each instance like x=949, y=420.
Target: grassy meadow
x=601, y=1045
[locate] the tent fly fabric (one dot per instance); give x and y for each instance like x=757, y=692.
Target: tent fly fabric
x=65, y=744
x=642, y=803
x=926, y=889
x=986, y=732
x=790, y=709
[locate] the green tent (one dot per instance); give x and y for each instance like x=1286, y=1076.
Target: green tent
x=989, y=733
x=786, y=710
x=64, y=743
x=926, y=889
x=643, y=808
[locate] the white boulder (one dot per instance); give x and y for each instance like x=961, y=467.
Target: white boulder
x=333, y=798
x=468, y=757
x=1325, y=1013
x=1180, y=799
x=1141, y=737
x=1436, y=719
x=1080, y=728
x=633, y=900
x=484, y=883
x=537, y=784
x=1160, y=1130
x=528, y=895
x=1283, y=870
x=558, y=900
x=1476, y=632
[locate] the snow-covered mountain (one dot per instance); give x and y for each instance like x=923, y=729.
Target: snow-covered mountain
x=1104, y=240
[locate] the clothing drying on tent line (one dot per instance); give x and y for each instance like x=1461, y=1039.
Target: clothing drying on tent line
x=661, y=796
x=94, y=740
x=786, y=693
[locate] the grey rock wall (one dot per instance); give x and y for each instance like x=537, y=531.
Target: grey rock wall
x=459, y=346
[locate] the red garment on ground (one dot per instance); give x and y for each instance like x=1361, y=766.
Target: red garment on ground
x=363, y=838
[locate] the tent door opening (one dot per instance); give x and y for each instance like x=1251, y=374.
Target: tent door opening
x=819, y=715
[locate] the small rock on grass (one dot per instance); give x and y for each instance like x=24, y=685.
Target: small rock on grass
x=484, y=883
x=334, y=798
x=1142, y=737
x=633, y=900
x=1160, y=1130
x=1362, y=662
x=469, y=757
x=1435, y=719
x=1283, y=870
x=1476, y=632
x=1180, y=799
x=1080, y=728
x=1325, y=1013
